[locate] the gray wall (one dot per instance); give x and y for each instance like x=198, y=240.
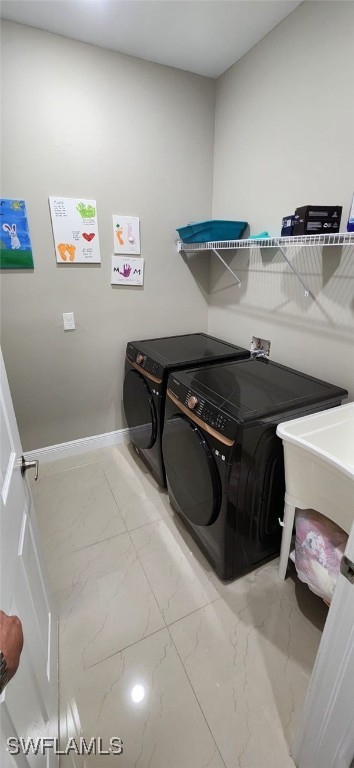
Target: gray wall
x=137, y=137
x=284, y=133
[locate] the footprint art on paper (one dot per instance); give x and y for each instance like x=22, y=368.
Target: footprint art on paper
x=66, y=250
x=131, y=238
x=126, y=234
x=119, y=233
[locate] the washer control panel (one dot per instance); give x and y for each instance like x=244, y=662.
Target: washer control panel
x=143, y=361
x=207, y=412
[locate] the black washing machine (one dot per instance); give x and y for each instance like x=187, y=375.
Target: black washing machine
x=148, y=365
x=224, y=463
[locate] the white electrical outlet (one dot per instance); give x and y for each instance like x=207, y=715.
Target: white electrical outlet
x=69, y=321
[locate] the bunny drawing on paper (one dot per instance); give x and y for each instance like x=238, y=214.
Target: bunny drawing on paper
x=15, y=242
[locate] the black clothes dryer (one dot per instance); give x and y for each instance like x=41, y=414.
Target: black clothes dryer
x=224, y=462
x=147, y=367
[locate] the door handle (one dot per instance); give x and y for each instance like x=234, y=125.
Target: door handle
x=347, y=568
x=25, y=465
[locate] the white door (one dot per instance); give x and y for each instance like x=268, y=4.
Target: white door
x=29, y=704
x=325, y=737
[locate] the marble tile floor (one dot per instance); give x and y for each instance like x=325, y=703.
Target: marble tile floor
x=189, y=672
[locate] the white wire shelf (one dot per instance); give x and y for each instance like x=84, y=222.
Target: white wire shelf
x=296, y=241
x=341, y=238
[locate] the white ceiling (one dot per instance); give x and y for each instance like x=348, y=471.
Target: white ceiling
x=202, y=36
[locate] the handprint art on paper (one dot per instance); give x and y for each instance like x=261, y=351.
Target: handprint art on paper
x=86, y=211
x=126, y=270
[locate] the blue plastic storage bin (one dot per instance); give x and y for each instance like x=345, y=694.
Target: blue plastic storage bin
x=207, y=231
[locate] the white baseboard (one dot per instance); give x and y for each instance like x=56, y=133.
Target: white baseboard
x=75, y=447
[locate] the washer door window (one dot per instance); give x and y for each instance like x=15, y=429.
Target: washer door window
x=139, y=410
x=191, y=471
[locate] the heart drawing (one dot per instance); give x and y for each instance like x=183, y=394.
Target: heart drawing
x=88, y=237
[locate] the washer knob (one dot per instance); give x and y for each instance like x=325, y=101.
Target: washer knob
x=140, y=359
x=192, y=402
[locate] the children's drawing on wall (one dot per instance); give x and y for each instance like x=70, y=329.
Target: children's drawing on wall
x=86, y=209
x=66, y=251
x=126, y=234
x=75, y=230
x=15, y=243
x=127, y=271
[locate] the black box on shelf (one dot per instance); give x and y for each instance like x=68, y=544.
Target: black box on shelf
x=287, y=226
x=317, y=219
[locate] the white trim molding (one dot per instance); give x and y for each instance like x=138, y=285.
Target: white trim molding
x=75, y=447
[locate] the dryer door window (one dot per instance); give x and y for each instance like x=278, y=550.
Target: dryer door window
x=139, y=410
x=191, y=471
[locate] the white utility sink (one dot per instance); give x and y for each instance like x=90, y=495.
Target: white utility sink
x=319, y=469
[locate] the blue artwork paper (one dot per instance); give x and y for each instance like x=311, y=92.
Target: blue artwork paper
x=15, y=243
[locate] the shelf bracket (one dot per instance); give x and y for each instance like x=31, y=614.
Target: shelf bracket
x=184, y=247
x=238, y=282
x=283, y=252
